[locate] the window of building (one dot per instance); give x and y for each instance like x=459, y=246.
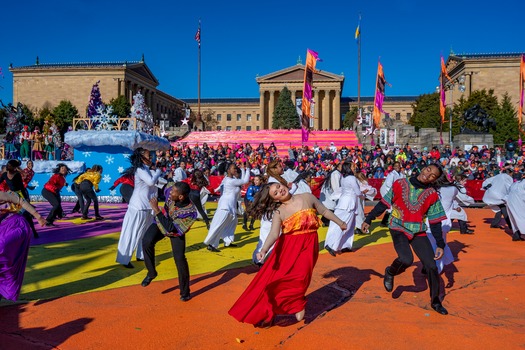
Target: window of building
x=398, y=116
x=219, y=117
x=228, y=117
x=238, y=117
x=248, y=128
x=257, y=127
x=219, y=128
x=409, y=115
x=248, y=117
x=258, y=116
x=237, y=128
x=228, y=128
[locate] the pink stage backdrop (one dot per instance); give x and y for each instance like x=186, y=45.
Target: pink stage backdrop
x=283, y=139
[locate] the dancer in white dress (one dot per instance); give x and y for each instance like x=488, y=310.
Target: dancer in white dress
x=515, y=205
x=462, y=199
x=331, y=186
x=225, y=219
x=447, y=196
x=496, y=190
x=139, y=215
x=338, y=240
x=369, y=193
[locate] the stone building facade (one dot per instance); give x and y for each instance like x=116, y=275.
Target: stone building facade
x=45, y=85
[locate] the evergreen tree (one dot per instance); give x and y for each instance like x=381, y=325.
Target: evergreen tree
x=350, y=118
x=63, y=114
x=426, y=112
x=121, y=106
x=95, y=101
x=285, y=114
x=506, y=122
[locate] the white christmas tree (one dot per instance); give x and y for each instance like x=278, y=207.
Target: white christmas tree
x=142, y=113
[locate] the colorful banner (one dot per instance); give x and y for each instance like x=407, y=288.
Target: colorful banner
x=311, y=59
x=442, y=104
x=520, y=106
x=379, y=96
x=358, y=30
x=198, y=35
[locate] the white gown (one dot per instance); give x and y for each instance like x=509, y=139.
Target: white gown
x=345, y=210
x=462, y=199
x=498, y=191
x=327, y=191
x=139, y=215
x=370, y=195
x=516, y=205
x=224, y=221
x=447, y=196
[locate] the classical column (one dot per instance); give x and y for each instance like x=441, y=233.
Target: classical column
x=317, y=108
x=262, y=103
x=271, y=109
x=337, y=110
x=325, y=123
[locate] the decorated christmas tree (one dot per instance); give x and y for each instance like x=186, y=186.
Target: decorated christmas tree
x=95, y=101
x=12, y=121
x=142, y=113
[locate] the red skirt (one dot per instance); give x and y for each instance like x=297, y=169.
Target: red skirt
x=280, y=286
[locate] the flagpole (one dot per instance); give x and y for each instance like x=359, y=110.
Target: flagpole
x=199, y=77
x=359, y=68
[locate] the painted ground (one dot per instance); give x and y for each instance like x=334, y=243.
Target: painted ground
x=76, y=297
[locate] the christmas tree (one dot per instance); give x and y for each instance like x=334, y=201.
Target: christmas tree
x=142, y=113
x=95, y=101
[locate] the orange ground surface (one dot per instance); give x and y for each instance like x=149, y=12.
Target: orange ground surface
x=347, y=308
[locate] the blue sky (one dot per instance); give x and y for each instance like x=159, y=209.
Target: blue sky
x=243, y=39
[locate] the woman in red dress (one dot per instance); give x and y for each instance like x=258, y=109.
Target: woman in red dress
x=280, y=286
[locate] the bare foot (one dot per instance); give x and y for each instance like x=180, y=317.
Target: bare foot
x=299, y=315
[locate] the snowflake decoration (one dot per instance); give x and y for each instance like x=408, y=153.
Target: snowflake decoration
x=86, y=154
x=120, y=169
x=106, y=178
x=113, y=192
x=184, y=121
x=69, y=189
x=110, y=159
x=104, y=119
x=126, y=155
x=35, y=184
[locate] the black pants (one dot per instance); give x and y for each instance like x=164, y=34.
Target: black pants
x=126, y=191
x=56, y=204
x=86, y=189
x=79, y=205
x=178, y=246
x=423, y=249
x=195, y=198
x=497, y=217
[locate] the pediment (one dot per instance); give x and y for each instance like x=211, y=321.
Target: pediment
x=296, y=74
x=143, y=70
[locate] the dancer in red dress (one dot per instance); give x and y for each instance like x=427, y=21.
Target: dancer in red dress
x=280, y=286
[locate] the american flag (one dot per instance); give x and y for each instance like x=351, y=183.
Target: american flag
x=198, y=36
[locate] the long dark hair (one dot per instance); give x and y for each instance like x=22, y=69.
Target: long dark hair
x=136, y=161
x=60, y=165
x=263, y=205
x=199, y=179
x=327, y=183
x=442, y=180
x=270, y=170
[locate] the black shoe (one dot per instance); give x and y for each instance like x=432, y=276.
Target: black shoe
x=388, y=280
x=139, y=259
x=98, y=218
x=358, y=231
x=467, y=232
x=207, y=226
x=146, y=281
x=232, y=245
x=212, y=248
x=517, y=236
x=50, y=224
x=440, y=309
x=85, y=217
x=185, y=298
x=330, y=250
x=251, y=228
x=245, y=228
x=346, y=250
x=128, y=265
